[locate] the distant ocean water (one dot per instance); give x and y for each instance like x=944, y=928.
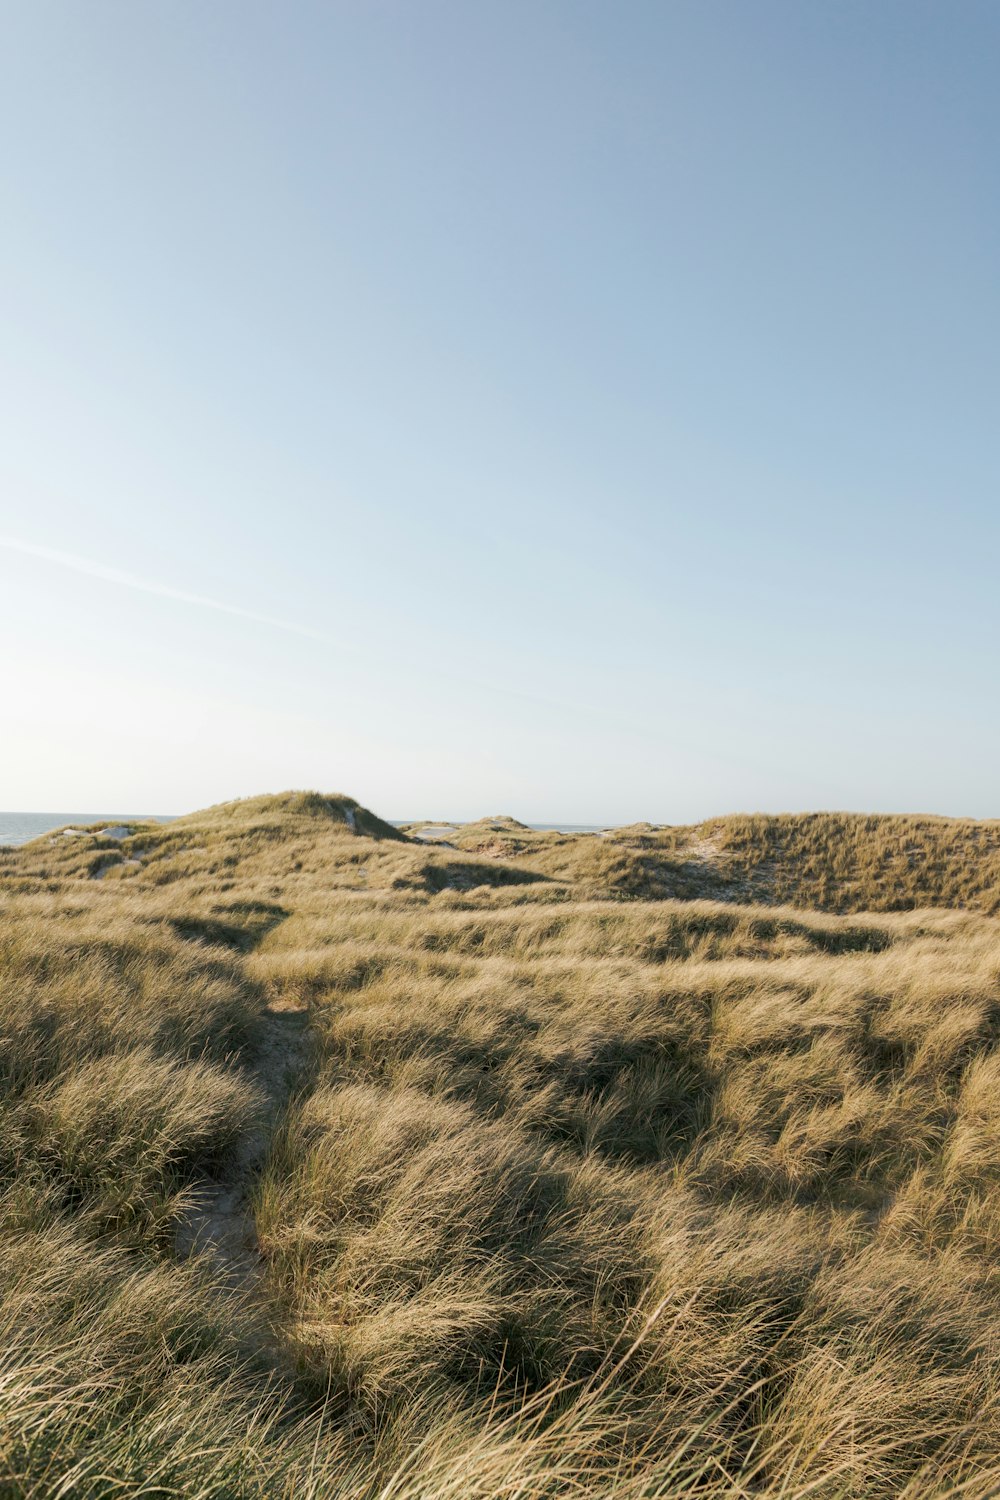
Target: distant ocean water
x=18, y=827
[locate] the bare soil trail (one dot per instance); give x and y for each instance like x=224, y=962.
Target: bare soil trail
x=217, y=1217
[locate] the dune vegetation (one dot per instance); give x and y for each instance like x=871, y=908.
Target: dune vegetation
x=334, y=1162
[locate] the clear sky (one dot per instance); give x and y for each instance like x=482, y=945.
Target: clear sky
x=575, y=409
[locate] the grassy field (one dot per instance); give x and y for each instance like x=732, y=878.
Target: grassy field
x=664, y=1163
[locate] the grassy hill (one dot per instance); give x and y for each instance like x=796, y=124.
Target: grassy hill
x=838, y=862
x=658, y=1164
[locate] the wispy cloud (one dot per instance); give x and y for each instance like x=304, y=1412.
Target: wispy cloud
x=162, y=590
x=599, y=712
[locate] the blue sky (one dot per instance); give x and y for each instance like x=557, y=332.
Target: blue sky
x=584, y=411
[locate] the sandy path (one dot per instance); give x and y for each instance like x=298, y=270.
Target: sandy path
x=218, y=1217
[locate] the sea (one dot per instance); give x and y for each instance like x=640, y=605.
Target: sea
x=19, y=827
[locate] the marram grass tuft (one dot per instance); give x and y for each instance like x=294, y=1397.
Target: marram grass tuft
x=661, y=1164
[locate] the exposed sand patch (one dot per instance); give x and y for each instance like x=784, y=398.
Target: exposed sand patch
x=703, y=849
x=217, y=1217
x=118, y=831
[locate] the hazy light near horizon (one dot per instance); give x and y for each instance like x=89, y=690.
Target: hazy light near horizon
x=575, y=411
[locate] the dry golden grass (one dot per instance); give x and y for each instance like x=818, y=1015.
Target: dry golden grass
x=838, y=862
x=556, y=1193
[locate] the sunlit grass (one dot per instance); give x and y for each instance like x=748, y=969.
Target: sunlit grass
x=555, y=1193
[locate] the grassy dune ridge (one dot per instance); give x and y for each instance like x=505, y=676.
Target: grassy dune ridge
x=837, y=862
x=657, y=1164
